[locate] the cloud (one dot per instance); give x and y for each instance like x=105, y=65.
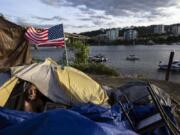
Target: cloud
x=54, y=18
x=120, y=7
x=78, y=26
x=82, y=15
x=95, y=17
x=116, y=7
x=56, y=3
x=25, y=23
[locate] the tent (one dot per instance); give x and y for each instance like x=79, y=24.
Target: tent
x=66, y=85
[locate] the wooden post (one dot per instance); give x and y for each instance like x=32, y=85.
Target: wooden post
x=169, y=65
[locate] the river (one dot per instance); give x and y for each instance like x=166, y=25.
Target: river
x=147, y=66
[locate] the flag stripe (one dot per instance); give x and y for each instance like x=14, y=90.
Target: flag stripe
x=39, y=33
x=32, y=37
x=52, y=42
x=33, y=34
x=46, y=37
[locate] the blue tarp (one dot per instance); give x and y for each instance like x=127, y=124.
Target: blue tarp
x=80, y=120
x=85, y=119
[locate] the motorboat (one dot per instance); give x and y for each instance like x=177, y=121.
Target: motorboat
x=174, y=67
x=98, y=58
x=132, y=58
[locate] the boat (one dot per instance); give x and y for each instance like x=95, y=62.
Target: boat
x=132, y=58
x=150, y=42
x=174, y=67
x=98, y=58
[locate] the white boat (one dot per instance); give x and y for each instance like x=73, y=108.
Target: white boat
x=98, y=58
x=174, y=67
x=132, y=57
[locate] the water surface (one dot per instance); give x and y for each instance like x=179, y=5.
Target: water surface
x=147, y=66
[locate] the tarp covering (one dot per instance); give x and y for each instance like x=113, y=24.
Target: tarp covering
x=67, y=86
x=84, y=119
x=14, y=48
x=80, y=120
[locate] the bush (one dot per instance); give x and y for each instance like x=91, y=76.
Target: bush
x=99, y=69
x=81, y=52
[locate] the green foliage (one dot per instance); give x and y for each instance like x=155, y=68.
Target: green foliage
x=81, y=52
x=93, y=33
x=93, y=68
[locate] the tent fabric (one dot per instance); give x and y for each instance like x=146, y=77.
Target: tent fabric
x=135, y=91
x=6, y=90
x=86, y=119
x=81, y=86
x=67, y=86
x=17, y=97
x=14, y=48
x=44, y=78
x=4, y=76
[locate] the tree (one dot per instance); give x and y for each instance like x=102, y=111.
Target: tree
x=81, y=52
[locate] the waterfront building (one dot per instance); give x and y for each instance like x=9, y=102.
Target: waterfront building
x=176, y=29
x=112, y=34
x=159, y=29
x=130, y=34
x=101, y=38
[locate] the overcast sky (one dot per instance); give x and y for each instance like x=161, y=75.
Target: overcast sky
x=86, y=15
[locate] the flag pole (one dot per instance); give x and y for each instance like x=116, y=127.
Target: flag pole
x=65, y=47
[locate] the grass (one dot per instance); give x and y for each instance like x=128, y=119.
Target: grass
x=98, y=69
x=91, y=68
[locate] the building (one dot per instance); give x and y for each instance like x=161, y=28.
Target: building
x=159, y=29
x=101, y=38
x=112, y=34
x=130, y=34
x=176, y=29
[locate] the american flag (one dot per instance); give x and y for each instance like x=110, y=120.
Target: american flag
x=53, y=36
